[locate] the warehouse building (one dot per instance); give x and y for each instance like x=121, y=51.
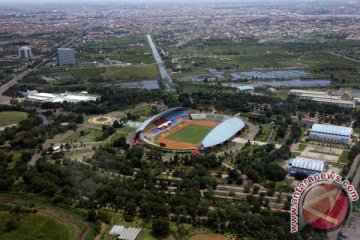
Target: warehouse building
x=322, y=97
x=245, y=89
x=299, y=92
x=331, y=133
x=34, y=96
x=122, y=233
x=300, y=165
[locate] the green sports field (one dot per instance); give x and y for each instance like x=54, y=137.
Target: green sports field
x=190, y=134
x=34, y=226
x=11, y=117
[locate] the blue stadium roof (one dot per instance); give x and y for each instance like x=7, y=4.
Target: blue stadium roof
x=309, y=164
x=331, y=129
x=153, y=118
x=222, y=132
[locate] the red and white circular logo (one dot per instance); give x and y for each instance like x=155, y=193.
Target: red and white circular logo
x=325, y=206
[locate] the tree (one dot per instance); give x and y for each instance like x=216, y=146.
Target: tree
x=161, y=227
x=117, y=124
x=91, y=215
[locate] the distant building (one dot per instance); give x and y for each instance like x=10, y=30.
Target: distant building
x=331, y=133
x=322, y=97
x=66, y=56
x=34, y=96
x=245, y=89
x=300, y=165
x=25, y=52
x=122, y=233
x=299, y=92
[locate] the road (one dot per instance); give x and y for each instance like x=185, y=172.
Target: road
x=345, y=57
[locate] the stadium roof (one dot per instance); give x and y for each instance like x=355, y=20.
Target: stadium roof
x=309, y=164
x=331, y=129
x=153, y=118
x=245, y=88
x=222, y=132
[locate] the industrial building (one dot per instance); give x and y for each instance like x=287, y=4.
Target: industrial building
x=65, y=56
x=122, y=233
x=245, y=89
x=25, y=52
x=299, y=92
x=300, y=165
x=34, y=96
x=331, y=133
x=322, y=97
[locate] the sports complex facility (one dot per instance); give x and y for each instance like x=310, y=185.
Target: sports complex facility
x=176, y=129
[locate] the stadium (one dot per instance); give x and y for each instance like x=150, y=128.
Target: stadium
x=176, y=129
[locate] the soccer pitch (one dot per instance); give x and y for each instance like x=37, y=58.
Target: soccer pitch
x=191, y=133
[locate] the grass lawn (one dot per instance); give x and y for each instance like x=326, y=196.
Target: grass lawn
x=263, y=136
x=344, y=156
x=11, y=117
x=301, y=147
x=90, y=135
x=191, y=134
x=132, y=73
x=35, y=226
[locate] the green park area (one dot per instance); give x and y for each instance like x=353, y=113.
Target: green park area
x=32, y=226
x=90, y=76
x=11, y=117
x=87, y=135
x=127, y=49
x=191, y=133
x=29, y=218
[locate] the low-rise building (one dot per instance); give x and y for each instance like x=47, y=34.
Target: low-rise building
x=322, y=97
x=122, y=233
x=34, y=96
x=300, y=165
x=245, y=89
x=331, y=133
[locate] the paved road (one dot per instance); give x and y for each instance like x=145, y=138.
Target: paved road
x=56, y=139
x=345, y=57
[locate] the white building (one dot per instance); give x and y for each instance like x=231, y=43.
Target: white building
x=34, y=96
x=66, y=56
x=322, y=97
x=331, y=133
x=25, y=52
x=122, y=233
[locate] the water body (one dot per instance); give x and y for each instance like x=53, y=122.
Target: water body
x=285, y=84
x=159, y=62
x=146, y=84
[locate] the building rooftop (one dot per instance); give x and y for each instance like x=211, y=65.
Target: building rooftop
x=222, y=132
x=331, y=129
x=307, y=92
x=309, y=164
x=245, y=88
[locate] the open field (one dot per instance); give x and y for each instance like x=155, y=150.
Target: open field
x=128, y=49
x=11, y=117
x=208, y=236
x=35, y=226
x=48, y=223
x=90, y=135
x=192, y=133
x=131, y=73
